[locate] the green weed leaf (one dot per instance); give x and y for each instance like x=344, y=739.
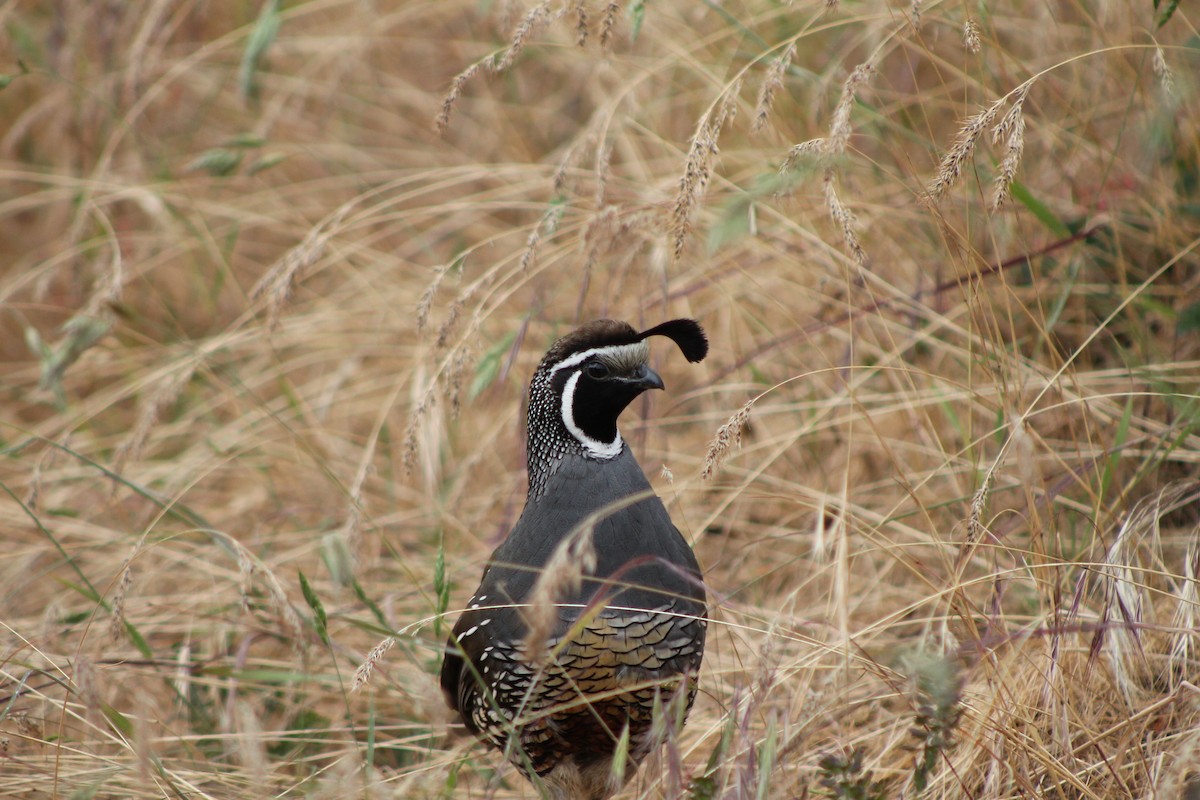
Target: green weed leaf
x=80, y=333
x=218, y=162
x=1189, y=319
x=139, y=641
x=336, y=556
x=264, y=163
x=318, y=609
x=1166, y=11
x=488, y=367
x=6, y=79
x=118, y=720
x=371, y=605
x=766, y=760
x=637, y=15
x=441, y=587
x=1039, y=210
x=261, y=39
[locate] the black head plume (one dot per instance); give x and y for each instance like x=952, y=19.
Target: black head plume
x=686, y=333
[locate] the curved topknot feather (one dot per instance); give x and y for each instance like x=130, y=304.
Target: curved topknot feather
x=686, y=333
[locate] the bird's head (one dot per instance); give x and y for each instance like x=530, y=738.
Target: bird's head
x=588, y=377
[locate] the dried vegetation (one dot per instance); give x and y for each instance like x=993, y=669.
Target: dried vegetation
x=274, y=274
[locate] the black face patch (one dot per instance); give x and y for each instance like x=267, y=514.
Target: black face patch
x=596, y=399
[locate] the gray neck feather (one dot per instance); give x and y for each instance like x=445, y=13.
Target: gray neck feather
x=548, y=439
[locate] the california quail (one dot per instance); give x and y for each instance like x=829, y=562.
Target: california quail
x=627, y=635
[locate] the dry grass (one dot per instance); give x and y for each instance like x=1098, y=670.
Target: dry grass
x=274, y=280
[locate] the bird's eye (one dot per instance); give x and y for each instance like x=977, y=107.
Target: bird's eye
x=597, y=369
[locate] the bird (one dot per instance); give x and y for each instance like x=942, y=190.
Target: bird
x=590, y=617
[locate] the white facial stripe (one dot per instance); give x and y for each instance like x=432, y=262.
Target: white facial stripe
x=597, y=449
x=614, y=352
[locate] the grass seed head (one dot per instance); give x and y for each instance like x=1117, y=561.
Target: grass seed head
x=844, y=219
x=839, y=126
x=1002, y=131
x=971, y=40
x=582, y=29
x=457, y=84
x=964, y=145
x=603, y=171
x=536, y=18
x=1166, y=78
x=1002, y=183
x=574, y=556
x=696, y=172
x=608, y=23
x=772, y=81
x=727, y=436
x=426, y=301
x=698, y=166
x=362, y=675
x=116, y=627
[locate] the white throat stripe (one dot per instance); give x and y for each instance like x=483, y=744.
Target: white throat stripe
x=602, y=450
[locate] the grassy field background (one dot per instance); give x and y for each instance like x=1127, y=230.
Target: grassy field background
x=273, y=277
